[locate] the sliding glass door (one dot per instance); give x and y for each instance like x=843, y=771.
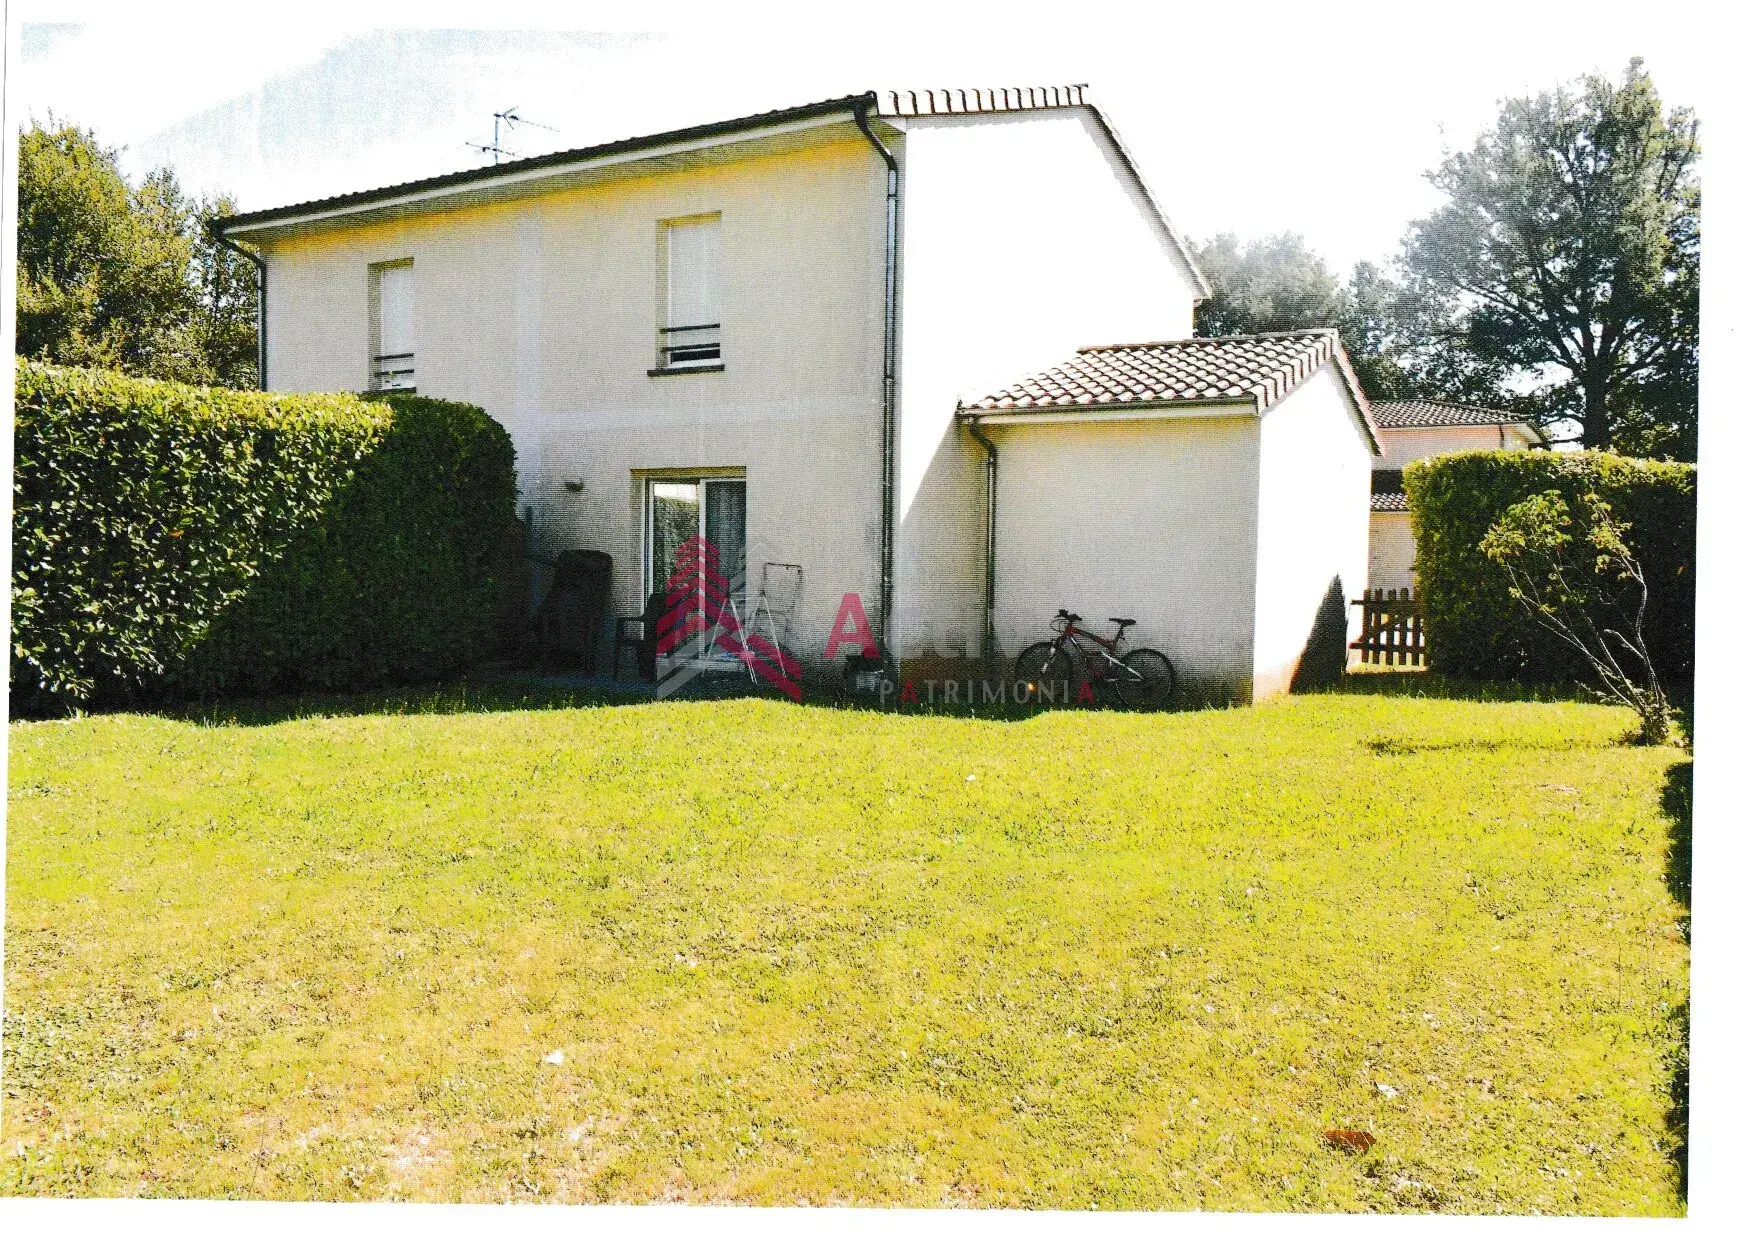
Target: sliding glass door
x=714, y=509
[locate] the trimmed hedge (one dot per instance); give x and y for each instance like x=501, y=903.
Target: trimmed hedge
x=173, y=541
x=1475, y=629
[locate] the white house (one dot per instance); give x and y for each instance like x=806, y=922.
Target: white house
x=1414, y=430
x=1215, y=490
x=762, y=330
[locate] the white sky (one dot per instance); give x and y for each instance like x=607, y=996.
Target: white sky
x=1252, y=118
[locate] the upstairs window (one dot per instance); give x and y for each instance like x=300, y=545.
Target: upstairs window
x=392, y=326
x=691, y=331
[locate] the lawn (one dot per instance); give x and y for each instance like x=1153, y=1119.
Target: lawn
x=750, y=951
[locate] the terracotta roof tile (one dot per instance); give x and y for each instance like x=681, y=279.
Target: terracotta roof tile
x=956, y=101
x=1389, y=501
x=1406, y=414
x=1216, y=369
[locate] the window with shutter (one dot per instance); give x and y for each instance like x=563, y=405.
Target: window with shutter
x=392, y=343
x=691, y=334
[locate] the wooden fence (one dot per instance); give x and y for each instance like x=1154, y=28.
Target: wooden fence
x=1393, y=628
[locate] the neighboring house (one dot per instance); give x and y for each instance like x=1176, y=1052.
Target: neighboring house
x=1412, y=430
x=761, y=331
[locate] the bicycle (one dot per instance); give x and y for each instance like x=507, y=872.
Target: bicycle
x=1144, y=678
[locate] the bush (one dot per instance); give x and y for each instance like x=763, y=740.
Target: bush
x=1474, y=626
x=171, y=540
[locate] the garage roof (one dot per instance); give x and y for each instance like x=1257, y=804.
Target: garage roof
x=1258, y=369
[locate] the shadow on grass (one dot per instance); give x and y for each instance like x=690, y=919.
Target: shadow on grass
x=493, y=692
x=475, y=695
x=1676, y=806
x=1394, y=746
x=1432, y=685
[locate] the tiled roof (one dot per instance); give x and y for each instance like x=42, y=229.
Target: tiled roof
x=1405, y=414
x=512, y=168
x=895, y=103
x=892, y=103
x=1262, y=369
x=1389, y=501
x=947, y=102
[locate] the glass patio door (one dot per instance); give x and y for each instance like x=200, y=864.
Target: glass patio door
x=714, y=510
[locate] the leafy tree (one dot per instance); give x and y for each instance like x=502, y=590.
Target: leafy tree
x=1401, y=350
x=95, y=285
x=124, y=277
x=1369, y=325
x=1579, y=580
x=1565, y=262
x=225, y=282
x=1273, y=284
x=1280, y=284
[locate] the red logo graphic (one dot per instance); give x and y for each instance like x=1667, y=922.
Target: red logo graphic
x=851, y=610
x=700, y=616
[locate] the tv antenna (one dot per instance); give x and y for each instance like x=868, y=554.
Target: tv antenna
x=509, y=120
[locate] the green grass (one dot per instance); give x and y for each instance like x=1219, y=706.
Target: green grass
x=813, y=955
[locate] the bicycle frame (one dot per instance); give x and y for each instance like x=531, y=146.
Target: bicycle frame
x=1081, y=640
x=1142, y=677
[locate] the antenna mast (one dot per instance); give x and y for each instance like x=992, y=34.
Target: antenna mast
x=509, y=119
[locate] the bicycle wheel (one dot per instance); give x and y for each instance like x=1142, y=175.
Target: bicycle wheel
x=1145, y=680
x=1045, y=668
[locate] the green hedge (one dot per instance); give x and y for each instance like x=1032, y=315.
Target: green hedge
x=185, y=541
x=1475, y=629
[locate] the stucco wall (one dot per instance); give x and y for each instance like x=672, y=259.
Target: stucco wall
x=544, y=312
x=1392, y=550
x=1314, y=468
x=1399, y=447
x=1023, y=238
x=1152, y=520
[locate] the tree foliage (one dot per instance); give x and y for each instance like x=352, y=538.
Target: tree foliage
x=1565, y=262
x=1280, y=283
x=1565, y=570
x=1559, y=281
x=125, y=277
x=1272, y=284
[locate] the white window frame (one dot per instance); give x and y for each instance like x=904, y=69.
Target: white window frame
x=684, y=346
x=390, y=371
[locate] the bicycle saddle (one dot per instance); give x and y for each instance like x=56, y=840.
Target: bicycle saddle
x=1123, y=623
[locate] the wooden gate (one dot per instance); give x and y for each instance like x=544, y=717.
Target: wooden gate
x=1393, y=631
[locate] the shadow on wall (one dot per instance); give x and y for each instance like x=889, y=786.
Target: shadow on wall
x=1323, y=658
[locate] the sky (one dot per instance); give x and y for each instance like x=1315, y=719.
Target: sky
x=1252, y=119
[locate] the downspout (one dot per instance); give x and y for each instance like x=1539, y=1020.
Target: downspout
x=261, y=266
x=988, y=637
x=890, y=345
